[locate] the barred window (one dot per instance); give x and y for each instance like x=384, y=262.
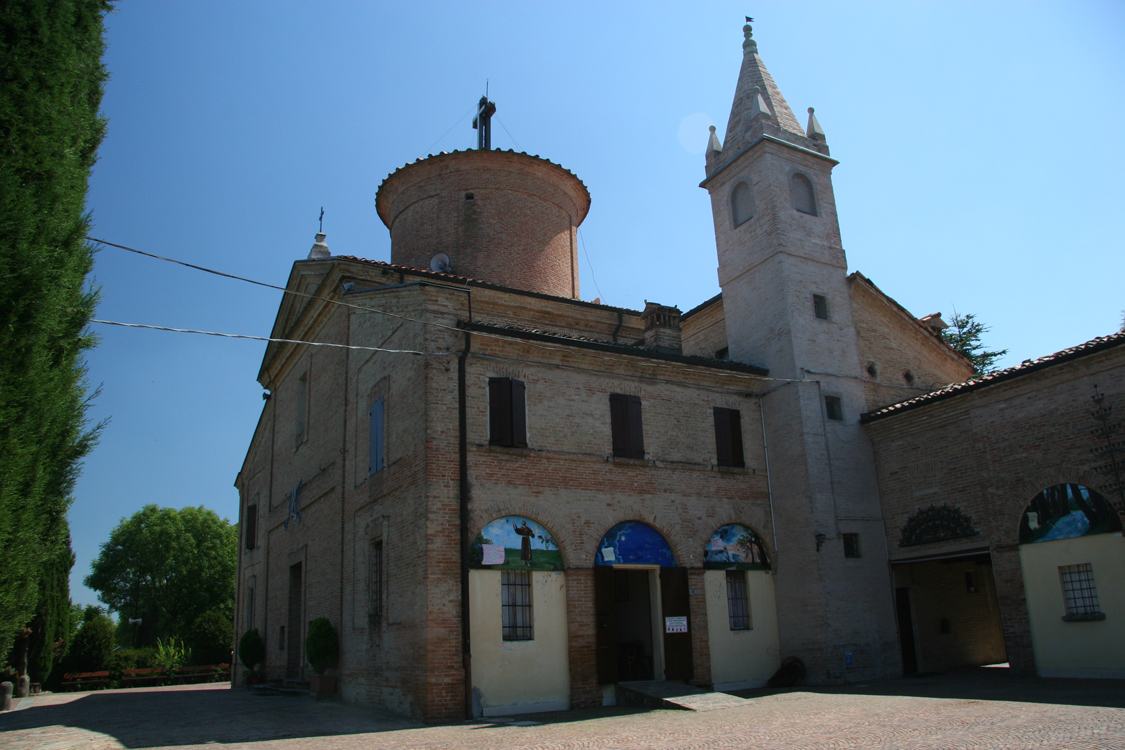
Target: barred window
x=1080, y=593
x=515, y=604
x=738, y=604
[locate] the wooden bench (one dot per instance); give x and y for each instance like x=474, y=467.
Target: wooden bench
x=151, y=675
x=85, y=680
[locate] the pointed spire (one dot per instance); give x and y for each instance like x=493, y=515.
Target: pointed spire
x=320, y=248
x=713, y=145
x=756, y=95
x=814, y=130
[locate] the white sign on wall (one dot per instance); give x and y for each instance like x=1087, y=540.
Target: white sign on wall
x=493, y=554
x=675, y=624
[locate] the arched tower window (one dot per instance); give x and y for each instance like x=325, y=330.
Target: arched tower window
x=741, y=203
x=801, y=190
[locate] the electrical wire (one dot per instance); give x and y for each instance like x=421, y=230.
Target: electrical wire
x=509, y=134
x=460, y=120
x=481, y=334
x=265, y=338
x=594, y=278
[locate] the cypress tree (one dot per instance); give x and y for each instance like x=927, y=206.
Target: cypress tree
x=51, y=80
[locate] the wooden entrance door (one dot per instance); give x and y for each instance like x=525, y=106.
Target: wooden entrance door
x=675, y=603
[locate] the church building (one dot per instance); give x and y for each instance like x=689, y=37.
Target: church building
x=507, y=499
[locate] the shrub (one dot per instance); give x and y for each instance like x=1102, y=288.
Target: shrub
x=322, y=646
x=170, y=655
x=128, y=658
x=251, y=649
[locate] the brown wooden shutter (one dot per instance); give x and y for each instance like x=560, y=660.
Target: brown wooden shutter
x=500, y=411
x=605, y=624
x=636, y=432
x=728, y=437
x=737, y=458
x=722, y=436
x=519, y=414
x=619, y=421
x=251, y=520
x=678, y=662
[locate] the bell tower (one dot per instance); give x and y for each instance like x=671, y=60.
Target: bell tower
x=783, y=275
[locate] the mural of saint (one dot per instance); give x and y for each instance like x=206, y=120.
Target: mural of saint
x=514, y=543
x=526, y=535
x=735, y=547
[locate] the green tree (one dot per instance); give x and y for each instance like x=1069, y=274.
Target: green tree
x=212, y=638
x=51, y=626
x=51, y=77
x=168, y=567
x=964, y=335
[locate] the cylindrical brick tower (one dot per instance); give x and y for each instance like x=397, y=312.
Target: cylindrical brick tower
x=500, y=216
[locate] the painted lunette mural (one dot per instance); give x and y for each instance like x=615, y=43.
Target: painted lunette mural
x=1065, y=511
x=735, y=547
x=634, y=543
x=514, y=543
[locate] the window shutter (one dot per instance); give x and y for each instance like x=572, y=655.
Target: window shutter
x=376, y=428
x=251, y=520
x=500, y=411
x=736, y=455
x=636, y=432
x=619, y=422
x=728, y=437
x=519, y=414
x=722, y=436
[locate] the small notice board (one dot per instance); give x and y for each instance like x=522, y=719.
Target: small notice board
x=675, y=624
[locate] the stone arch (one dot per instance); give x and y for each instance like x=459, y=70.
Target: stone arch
x=1067, y=510
x=728, y=548
x=634, y=542
x=544, y=515
x=741, y=203
x=1022, y=490
x=803, y=193
x=519, y=540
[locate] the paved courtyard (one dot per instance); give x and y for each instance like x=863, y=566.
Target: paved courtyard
x=975, y=709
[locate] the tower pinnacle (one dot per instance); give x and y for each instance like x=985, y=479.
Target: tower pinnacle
x=759, y=107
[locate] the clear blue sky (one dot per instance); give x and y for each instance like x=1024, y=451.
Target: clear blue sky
x=980, y=169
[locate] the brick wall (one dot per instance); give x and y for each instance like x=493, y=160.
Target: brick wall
x=988, y=452
x=502, y=217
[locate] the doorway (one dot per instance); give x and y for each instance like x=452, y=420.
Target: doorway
x=948, y=613
x=634, y=602
x=642, y=616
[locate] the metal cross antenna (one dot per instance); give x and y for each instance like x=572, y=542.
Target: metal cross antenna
x=322, y=219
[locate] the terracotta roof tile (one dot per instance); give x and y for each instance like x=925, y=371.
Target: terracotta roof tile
x=1024, y=368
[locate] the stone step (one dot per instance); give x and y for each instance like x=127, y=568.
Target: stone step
x=674, y=695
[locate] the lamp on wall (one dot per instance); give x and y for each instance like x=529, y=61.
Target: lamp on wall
x=820, y=540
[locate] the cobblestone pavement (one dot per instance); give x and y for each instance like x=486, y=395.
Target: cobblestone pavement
x=963, y=711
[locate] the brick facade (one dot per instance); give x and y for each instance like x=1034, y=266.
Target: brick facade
x=806, y=354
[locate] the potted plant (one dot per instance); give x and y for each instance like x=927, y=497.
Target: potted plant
x=322, y=649
x=251, y=652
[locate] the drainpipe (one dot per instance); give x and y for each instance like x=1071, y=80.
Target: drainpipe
x=769, y=479
x=463, y=450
